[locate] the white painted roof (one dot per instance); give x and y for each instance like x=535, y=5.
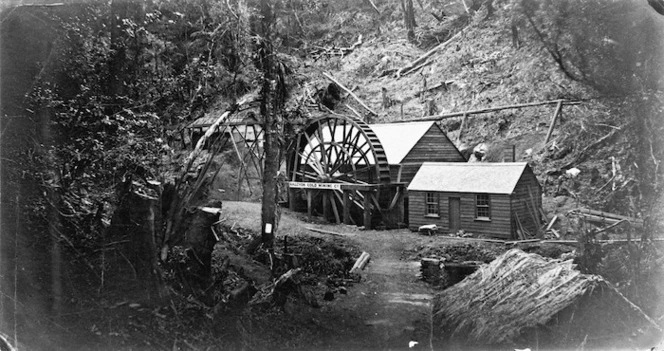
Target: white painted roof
x=399, y=138
x=473, y=177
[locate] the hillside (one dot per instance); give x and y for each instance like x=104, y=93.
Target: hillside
x=482, y=68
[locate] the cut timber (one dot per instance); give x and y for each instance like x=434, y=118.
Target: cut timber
x=324, y=231
x=605, y=217
x=364, y=256
x=364, y=262
x=329, y=76
x=608, y=215
x=553, y=220
x=422, y=58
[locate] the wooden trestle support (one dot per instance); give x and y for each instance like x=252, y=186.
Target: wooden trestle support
x=338, y=168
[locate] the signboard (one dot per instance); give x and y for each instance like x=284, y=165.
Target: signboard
x=309, y=185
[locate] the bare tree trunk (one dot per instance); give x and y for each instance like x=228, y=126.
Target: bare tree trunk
x=269, y=108
x=409, y=18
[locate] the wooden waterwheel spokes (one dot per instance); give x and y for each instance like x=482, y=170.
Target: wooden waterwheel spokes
x=339, y=150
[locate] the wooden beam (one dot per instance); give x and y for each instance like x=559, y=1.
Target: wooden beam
x=559, y=108
x=346, y=207
x=367, y=210
x=485, y=110
x=329, y=76
x=463, y=124
x=291, y=199
x=310, y=210
x=326, y=205
x=334, y=208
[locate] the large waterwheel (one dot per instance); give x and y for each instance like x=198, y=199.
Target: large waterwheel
x=338, y=166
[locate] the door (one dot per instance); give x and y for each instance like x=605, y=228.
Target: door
x=454, y=214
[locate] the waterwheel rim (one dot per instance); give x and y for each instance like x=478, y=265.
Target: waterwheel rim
x=336, y=149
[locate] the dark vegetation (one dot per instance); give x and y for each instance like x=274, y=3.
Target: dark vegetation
x=96, y=97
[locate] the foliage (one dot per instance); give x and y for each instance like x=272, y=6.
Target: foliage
x=122, y=77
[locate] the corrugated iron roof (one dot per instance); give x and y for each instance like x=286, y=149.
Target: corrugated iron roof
x=399, y=138
x=474, y=177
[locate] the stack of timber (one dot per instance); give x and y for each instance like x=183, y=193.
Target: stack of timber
x=606, y=218
x=526, y=298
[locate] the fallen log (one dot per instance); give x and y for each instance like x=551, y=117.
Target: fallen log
x=329, y=76
x=422, y=58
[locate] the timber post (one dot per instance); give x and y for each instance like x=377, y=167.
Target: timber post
x=367, y=209
x=346, y=207
x=309, y=204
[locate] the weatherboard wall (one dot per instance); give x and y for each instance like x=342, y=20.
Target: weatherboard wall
x=499, y=225
x=527, y=200
x=434, y=146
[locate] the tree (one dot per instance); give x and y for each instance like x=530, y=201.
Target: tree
x=272, y=99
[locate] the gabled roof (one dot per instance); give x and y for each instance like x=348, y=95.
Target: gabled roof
x=399, y=138
x=473, y=177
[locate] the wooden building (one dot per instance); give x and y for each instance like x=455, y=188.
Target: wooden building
x=496, y=199
x=409, y=144
x=353, y=172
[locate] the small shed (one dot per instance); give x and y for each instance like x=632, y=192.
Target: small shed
x=409, y=144
x=495, y=199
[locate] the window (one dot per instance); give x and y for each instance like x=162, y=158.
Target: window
x=482, y=206
x=431, y=205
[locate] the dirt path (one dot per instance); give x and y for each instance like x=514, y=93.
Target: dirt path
x=388, y=309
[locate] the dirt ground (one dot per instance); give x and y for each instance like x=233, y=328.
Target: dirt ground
x=388, y=309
